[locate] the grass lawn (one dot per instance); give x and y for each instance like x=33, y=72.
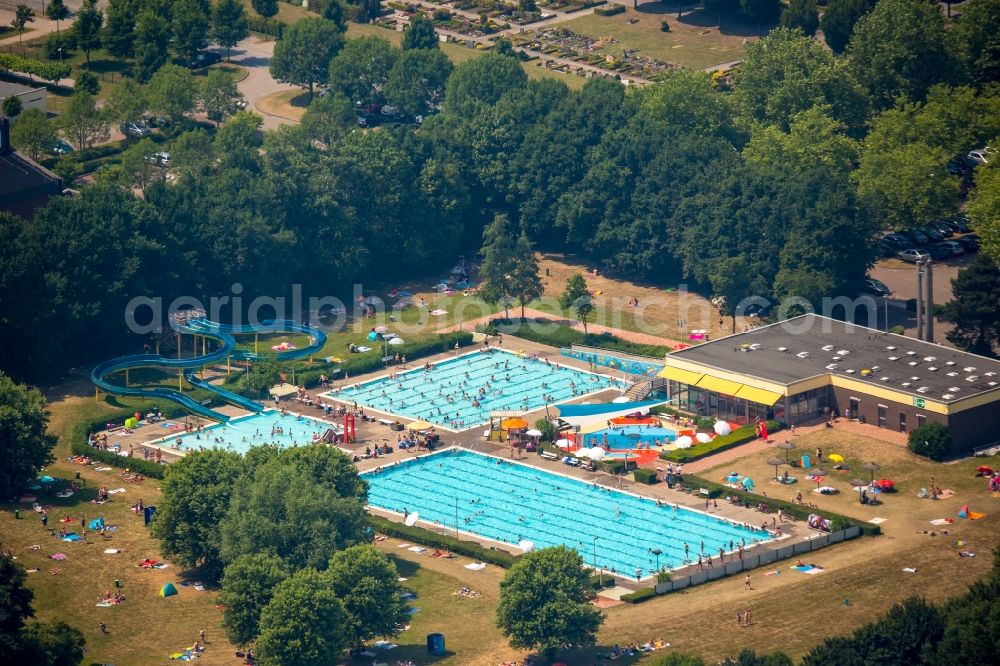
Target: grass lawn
x=693, y=41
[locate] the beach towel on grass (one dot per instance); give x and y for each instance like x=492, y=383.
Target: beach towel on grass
x=475, y=566
x=417, y=549
x=72, y=536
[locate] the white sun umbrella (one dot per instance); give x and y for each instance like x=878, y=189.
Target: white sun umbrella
x=683, y=442
x=396, y=341
x=533, y=433
x=583, y=453
x=722, y=428
x=703, y=437
x=411, y=519
x=563, y=443
x=620, y=399
x=597, y=453
x=525, y=545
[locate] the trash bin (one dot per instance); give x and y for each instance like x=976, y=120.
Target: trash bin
x=17, y=514
x=78, y=475
x=118, y=582
x=435, y=644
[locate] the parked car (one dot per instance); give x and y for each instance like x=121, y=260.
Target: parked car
x=204, y=59
x=885, y=250
x=918, y=238
x=134, y=129
x=943, y=229
x=162, y=158
x=959, y=224
x=933, y=234
x=955, y=247
x=913, y=255
x=61, y=147
x=939, y=252
x=876, y=287
x=970, y=242
x=899, y=241
x=982, y=155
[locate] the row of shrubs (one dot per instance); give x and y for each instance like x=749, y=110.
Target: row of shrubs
x=266, y=26
x=637, y=597
x=442, y=542
x=698, y=451
x=564, y=336
x=610, y=11
x=799, y=511
x=50, y=71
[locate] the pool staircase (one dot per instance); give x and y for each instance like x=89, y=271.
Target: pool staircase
x=641, y=390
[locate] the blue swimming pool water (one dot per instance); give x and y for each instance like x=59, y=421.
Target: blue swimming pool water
x=496, y=379
x=508, y=502
x=629, y=437
x=255, y=430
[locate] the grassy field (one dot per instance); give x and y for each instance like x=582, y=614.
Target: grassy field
x=693, y=41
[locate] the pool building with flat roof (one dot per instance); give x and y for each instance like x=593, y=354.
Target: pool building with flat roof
x=801, y=369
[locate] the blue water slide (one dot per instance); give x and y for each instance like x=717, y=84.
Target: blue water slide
x=224, y=335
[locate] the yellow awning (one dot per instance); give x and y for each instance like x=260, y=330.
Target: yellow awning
x=679, y=375
x=723, y=386
x=758, y=395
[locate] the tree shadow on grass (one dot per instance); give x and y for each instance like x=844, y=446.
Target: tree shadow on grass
x=733, y=26
x=405, y=568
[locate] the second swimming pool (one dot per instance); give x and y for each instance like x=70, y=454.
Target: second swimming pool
x=459, y=393
x=630, y=437
x=508, y=502
x=239, y=435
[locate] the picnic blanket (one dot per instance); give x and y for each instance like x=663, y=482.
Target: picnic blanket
x=417, y=549
x=112, y=551
x=102, y=469
x=942, y=521
x=809, y=569
x=438, y=312
x=72, y=536
x=475, y=566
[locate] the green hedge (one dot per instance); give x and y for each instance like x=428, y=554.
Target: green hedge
x=610, y=11
x=564, y=336
x=616, y=466
x=721, y=443
x=599, y=582
x=643, y=475
x=145, y=467
x=266, y=26
x=50, y=71
x=799, y=511
x=442, y=542
x=637, y=597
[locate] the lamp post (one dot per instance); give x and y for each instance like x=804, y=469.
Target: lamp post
x=657, y=552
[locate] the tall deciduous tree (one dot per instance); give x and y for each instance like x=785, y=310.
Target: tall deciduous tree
x=229, y=24
x=975, y=307
x=247, y=587
x=83, y=121
x=33, y=134
x=900, y=49
x=87, y=27
x=266, y=8
x=27, y=447
x=984, y=210
x=545, y=602
x=196, y=497
x=420, y=34
x=976, y=40
x=577, y=296
x=12, y=106
x=119, y=35
x=302, y=56
x=801, y=15
x=152, y=37
x=329, y=118
x=15, y=600
x=23, y=15
x=138, y=165
x=839, y=20
x=417, y=81
x=305, y=624
x=220, y=98
x=526, y=284
x=172, y=92
x=361, y=69
x=497, y=267
x=57, y=11
x=126, y=103
x=481, y=82
x=367, y=583
x=190, y=25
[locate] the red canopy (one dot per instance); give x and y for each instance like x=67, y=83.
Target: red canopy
x=884, y=484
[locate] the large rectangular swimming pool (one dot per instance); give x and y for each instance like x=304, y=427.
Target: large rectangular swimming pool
x=509, y=502
x=459, y=393
x=270, y=427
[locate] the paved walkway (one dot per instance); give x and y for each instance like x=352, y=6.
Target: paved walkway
x=548, y=318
